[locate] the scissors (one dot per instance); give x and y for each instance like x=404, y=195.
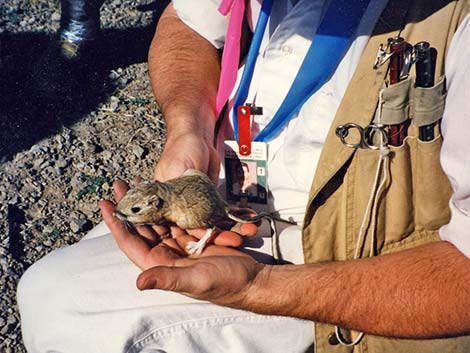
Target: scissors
x=372, y=137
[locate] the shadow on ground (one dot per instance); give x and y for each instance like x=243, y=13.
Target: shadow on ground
x=40, y=92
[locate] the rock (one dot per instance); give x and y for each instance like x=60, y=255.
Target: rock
x=122, y=82
x=47, y=243
x=11, y=320
x=14, y=198
x=139, y=151
x=140, y=111
x=75, y=226
x=38, y=163
x=77, y=182
x=80, y=225
x=113, y=103
x=113, y=75
x=55, y=16
x=61, y=162
x=92, y=147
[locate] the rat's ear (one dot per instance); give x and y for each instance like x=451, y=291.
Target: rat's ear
x=155, y=201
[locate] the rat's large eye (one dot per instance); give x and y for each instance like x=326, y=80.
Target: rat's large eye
x=135, y=209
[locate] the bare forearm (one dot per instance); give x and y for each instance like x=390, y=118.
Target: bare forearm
x=418, y=293
x=184, y=72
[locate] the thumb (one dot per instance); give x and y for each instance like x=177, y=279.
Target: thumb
x=175, y=279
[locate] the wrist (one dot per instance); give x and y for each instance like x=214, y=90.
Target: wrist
x=259, y=289
x=275, y=291
x=195, y=135
x=197, y=125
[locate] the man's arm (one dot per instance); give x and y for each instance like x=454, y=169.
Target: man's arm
x=184, y=72
x=418, y=293
x=422, y=292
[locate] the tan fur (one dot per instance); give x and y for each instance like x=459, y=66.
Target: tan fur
x=189, y=201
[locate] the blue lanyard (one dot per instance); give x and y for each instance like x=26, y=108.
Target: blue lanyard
x=329, y=45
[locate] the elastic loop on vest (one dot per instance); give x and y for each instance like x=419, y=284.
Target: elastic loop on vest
x=341, y=340
x=395, y=104
x=428, y=103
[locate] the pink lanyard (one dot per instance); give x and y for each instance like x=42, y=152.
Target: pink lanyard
x=231, y=53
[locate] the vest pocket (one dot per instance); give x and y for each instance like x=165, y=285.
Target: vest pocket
x=432, y=186
x=396, y=210
x=413, y=199
x=383, y=209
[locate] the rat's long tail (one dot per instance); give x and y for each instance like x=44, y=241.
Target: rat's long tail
x=258, y=217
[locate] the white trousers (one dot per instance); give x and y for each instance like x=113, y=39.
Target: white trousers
x=83, y=299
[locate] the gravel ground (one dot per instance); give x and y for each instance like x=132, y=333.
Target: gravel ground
x=67, y=133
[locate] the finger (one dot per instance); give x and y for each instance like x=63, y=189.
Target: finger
x=120, y=189
x=164, y=254
x=173, y=245
x=210, y=250
x=133, y=246
x=149, y=234
x=176, y=279
x=177, y=231
x=162, y=231
x=245, y=229
x=228, y=238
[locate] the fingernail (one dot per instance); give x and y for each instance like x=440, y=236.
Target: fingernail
x=148, y=284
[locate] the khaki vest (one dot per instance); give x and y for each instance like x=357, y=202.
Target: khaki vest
x=407, y=213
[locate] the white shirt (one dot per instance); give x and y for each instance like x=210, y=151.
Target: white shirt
x=294, y=153
x=455, y=153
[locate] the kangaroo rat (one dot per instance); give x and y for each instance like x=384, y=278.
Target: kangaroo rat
x=189, y=201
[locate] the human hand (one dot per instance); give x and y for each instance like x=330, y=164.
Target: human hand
x=187, y=151
x=208, y=271
x=220, y=275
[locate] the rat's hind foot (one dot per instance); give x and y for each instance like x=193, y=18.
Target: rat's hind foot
x=194, y=247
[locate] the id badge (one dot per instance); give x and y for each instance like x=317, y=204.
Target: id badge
x=246, y=176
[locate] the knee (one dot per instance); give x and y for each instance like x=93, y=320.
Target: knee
x=39, y=295
x=35, y=285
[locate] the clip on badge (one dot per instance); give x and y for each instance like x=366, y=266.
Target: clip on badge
x=244, y=113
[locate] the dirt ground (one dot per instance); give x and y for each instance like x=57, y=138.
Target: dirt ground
x=67, y=131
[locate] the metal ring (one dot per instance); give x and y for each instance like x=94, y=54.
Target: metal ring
x=342, y=131
x=368, y=134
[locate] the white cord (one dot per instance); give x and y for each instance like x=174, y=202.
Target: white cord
x=274, y=239
x=372, y=205
x=339, y=336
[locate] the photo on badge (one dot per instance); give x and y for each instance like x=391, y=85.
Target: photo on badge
x=246, y=176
